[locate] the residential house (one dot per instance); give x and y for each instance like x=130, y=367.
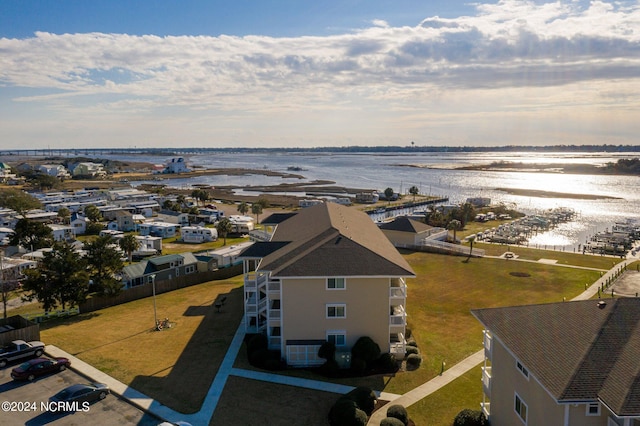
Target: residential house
x=12, y=269
x=62, y=232
x=159, y=269
x=228, y=255
x=570, y=364
x=198, y=234
x=79, y=223
x=171, y=216
x=56, y=170
x=241, y=224
x=158, y=229
x=269, y=225
x=327, y=274
x=88, y=169
x=176, y=165
x=124, y=220
x=404, y=231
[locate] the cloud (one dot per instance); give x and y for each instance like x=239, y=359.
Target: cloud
x=512, y=44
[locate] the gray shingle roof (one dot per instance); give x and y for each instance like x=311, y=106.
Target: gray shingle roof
x=333, y=240
x=577, y=350
x=405, y=224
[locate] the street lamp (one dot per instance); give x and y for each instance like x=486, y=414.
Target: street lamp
x=155, y=314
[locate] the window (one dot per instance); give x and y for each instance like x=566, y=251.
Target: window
x=336, y=284
x=521, y=409
x=522, y=369
x=337, y=310
x=189, y=269
x=338, y=338
x=593, y=409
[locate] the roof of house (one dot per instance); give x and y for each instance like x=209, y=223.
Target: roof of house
x=405, y=224
x=579, y=351
x=332, y=240
x=277, y=218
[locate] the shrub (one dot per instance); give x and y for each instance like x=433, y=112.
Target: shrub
x=358, y=366
x=399, y=412
x=407, y=333
x=257, y=341
x=365, y=348
x=391, y=421
x=259, y=357
x=469, y=417
x=387, y=363
x=364, y=398
x=345, y=412
x=330, y=368
x=412, y=343
x=412, y=350
x=327, y=351
x=414, y=361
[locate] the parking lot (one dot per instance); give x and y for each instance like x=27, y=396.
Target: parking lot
x=26, y=403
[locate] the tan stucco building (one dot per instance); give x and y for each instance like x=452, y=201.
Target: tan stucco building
x=566, y=364
x=327, y=274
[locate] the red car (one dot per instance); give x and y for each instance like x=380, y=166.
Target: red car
x=39, y=367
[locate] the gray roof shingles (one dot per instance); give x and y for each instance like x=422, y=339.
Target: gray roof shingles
x=578, y=351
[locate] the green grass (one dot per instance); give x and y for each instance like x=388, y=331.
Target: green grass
x=118, y=340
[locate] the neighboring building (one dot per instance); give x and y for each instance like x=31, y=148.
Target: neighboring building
x=94, y=170
x=158, y=229
x=241, y=224
x=309, y=203
x=79, y=223
x=159, y=268
x=171, y=216
x=125, y=221
x=479, y=201
x=570, y=364
x=198, y=234
x=176, y=165
x=327, y=274
x=62, y=232
x=57, y=170
x=367, y=197
x=228, y=255
x=404, y=231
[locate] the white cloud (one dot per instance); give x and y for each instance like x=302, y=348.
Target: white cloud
x=508, y=46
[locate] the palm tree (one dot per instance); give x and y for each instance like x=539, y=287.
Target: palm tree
x=455, y=224
x=471, y=240
x=129, y=244
x=256, y=208
x=414, y=191
x=224, y=226
x=243, y=208
x=388, y=193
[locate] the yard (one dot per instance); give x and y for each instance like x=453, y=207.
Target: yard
x=119, y=340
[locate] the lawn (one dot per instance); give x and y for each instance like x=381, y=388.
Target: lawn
x=119, y=340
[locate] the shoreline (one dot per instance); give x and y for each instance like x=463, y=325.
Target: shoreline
x=551, y=194
x=506, y=166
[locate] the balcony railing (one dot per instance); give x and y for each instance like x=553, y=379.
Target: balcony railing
x=273, y=286
x=274, y=314
x=398, y=292
x=274, y=342
x=398, y=319
x=262, y=305
x=488, y=343
x=486, y=408
x=486, y=380
x=398, y=349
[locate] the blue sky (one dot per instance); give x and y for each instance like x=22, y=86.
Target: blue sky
x=169, y=73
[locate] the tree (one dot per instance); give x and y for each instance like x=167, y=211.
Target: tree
x=31, y=235
x=224, y=227
x=181, y=200
x=18, y=201
x=168, y=205
x=471, y=240
x=388, y=193
x=104, y=262
x=414, y=191
x=61, y=279
x=92, y=213
x=243, y=208
x=256, y=208
x=200, y=195
x=129, y=244
x=455, y=225
x=64, y=214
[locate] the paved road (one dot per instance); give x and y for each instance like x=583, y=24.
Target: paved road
x=25, y=403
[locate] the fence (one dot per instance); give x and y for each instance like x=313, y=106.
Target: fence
x=95, y=303
x=435, y=246
x=18, y=328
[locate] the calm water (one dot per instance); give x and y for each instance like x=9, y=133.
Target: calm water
x=379, y=171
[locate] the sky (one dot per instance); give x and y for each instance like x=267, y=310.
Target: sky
x=293, y=73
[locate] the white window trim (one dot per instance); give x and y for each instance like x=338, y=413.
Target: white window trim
x=344, y=283
x=515, y=399
x=522, y=369
x=591, y=404
x=337, y=333
x=336, y=305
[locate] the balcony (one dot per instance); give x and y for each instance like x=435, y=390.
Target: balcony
x=398, y=292
x=486, y=380
x=274, y=342
x=274, y=314
x=486, y=408
x=488, y=343
x=398, y=316
x=273, y=286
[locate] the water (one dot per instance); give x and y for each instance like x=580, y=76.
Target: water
x=429, y=172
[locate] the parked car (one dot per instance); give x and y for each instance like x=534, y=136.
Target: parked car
x=89, y=392
x=39, y=367
x=19, y=349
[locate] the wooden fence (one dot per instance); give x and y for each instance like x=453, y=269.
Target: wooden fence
x=18, y=328
x=146, y=290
